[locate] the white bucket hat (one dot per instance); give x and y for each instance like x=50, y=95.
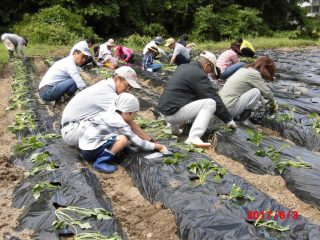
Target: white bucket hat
x=111, y=43
x=126, y=102
x=129, y=74
x=212, y=58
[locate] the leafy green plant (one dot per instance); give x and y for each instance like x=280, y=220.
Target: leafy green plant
x=174, y=159
x=260, y=222
x=137, y=41
x=39, y=158
x=73, y=216
x=316, y=122
x=154, y=29
x=254, y=137
x=187, y=147
x=27, y=144
x=39, y=187
x=45, y=167
x=286, y=117
x=205, y=167
x=238, y=193
x=24, y=120
x=96, y=236
x=281, y=164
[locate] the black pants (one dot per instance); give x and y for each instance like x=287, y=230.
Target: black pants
x=247, y=52
x=181, y=60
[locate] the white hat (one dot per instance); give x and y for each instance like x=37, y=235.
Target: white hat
x=110, y=43
x=212, y=58
x=129, y=74
x=126, y=102
x=85, y=50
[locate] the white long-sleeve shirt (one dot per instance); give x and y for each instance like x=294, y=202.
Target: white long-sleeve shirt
x=105, y=125
x=62, y=70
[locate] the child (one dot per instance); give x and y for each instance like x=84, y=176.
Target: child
x=148, y=60
x=109, y=133
x=124, y=53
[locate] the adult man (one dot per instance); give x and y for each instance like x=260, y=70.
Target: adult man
x=180, y=53
x=63, y=77
x=13, y=42
x=155, y=43
x=88, y=43
x=95, y=99
x=189, y=95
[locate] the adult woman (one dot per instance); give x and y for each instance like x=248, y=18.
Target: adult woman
x=244, y=88
x=228, y=62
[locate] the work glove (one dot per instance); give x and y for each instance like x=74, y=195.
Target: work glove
x=231, y=124
x=164, y=150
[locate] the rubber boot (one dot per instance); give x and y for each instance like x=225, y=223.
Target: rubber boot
x=101, y=163
x=10, y=55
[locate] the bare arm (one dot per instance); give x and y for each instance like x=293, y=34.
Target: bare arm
x=137, y=130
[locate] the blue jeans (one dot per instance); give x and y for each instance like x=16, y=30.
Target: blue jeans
x=231, y=70
x=155, y=66
x=91, y=155
x=53, y=93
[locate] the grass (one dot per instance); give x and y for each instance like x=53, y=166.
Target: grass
x=261, y=43
x=3, y=56
x=46, y=50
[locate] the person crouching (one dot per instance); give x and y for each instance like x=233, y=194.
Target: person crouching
x=109, y=133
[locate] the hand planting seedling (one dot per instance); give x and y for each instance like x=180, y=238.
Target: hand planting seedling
x=74, y=216
x=176, y=158
x=204, y=168
x=39, y=187
x=238, y=193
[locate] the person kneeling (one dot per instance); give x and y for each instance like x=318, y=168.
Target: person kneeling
x=109, y=133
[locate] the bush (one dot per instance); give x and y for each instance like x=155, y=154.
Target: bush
x=287, y=34
x=154, y=29
x=54, y=26
x=231, y=22
x=136, y=41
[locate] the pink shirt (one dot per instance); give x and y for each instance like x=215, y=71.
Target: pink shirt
x=226, y=59
x=126, y=51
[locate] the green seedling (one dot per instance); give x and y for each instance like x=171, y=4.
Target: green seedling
x=96, y=236
x=286, y=117
x=39, y=187
x=150, y=123
x=254, y=137
x=27, y=144
x=23, y=121
x=39, y=158
x=168, y=67
x=238, y=193
x=316, y=122
x=205, y=167
x=260, y=222
x=174, y=159
x=164, y=134
x=187, y=147
x=45, y=167
x=282, y=165
x=74, y=216
x=48, y=61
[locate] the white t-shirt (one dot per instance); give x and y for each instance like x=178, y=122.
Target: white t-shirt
x=153, y=43
x=62, y=70
x=92, y=100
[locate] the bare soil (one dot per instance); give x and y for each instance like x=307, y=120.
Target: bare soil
x=10, y=175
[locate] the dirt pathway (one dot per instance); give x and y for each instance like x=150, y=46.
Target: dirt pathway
x=10, y=175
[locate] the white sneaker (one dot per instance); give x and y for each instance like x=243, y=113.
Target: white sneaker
x=198, y=143
x=149, y=70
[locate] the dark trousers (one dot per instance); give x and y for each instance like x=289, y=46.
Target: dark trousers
x=247, y=52
x=181, y=60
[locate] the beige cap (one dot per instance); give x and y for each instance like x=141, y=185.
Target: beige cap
x=211, y=57
x=126, y=102
x=129, y=74
x=169, y=41
x=111, y=43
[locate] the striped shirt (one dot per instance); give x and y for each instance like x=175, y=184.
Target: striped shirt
x=226, y=59
x=147, y=59
x=62, y=70
x=105, y=125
